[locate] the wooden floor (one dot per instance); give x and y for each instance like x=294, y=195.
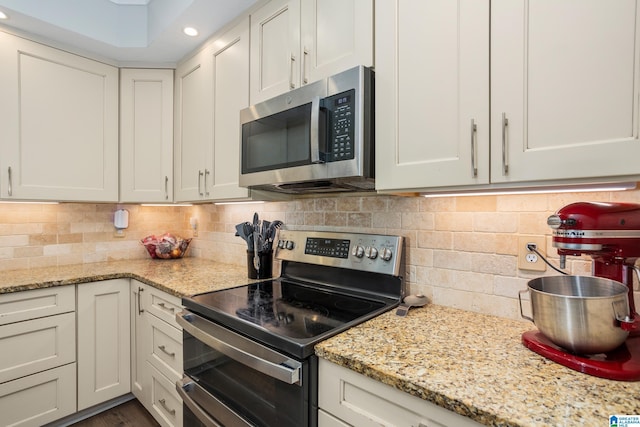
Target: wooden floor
x=128, y=414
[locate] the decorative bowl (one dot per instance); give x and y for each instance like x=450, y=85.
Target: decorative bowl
x=166, y=246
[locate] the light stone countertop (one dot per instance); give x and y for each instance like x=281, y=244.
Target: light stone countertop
x=469, y=363
x=475, y=365
x=179, y=277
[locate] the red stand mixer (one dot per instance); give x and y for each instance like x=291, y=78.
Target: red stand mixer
x=610, y=234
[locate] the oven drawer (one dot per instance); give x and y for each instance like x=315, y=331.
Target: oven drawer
x=25, y=305
x=166, y=348
x=35, y=345
x=166, y=405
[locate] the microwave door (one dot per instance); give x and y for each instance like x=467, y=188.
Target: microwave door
x=284, y=147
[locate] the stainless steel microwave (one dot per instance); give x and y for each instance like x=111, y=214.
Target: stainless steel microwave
x=318, y=138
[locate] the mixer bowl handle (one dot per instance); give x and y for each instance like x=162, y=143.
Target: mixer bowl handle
x=520, y=301
x=627, y=323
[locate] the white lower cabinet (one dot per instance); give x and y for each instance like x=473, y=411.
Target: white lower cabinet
x=166, y=406
x=37, y=356
x=156, y=353
x=347, y=398
x=40, y=398
x=103, y=341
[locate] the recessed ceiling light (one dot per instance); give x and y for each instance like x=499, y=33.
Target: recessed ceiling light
x=3, y=15
x=190, y=31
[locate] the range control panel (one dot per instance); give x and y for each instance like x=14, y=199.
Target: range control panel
x=367, y=252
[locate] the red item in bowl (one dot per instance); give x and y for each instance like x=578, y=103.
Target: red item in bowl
x=166, y=246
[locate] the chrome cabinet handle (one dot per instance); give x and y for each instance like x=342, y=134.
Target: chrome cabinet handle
x=292, y=63
x=241, y=349
x=163, y=403
x=166, y=308
x=474, y=148
x=10, y=182
x=166, y=188
x=206, y=174
x=305, y=79
x=140, y=309
x=163, y=349
x=505, y=155
x=200, y=175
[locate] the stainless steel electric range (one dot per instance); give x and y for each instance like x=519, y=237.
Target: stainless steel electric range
x=249, y=351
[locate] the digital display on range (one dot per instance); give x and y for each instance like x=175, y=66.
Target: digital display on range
x=335, y=248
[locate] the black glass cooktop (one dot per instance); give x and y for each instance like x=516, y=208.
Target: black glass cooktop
x=288, y=316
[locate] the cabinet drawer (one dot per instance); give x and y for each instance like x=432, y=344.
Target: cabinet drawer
x=162, y=305
x=25, y=305
x=361, y=401
x=328, y=420
x=166, y=405
x=166, y=348
x=40, y=398
x=37, y=345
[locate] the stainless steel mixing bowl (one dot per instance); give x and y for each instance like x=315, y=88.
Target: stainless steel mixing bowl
x=579, y=313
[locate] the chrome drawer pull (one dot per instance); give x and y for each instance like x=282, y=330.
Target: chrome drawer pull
x=164, y=307
x=164, y=350
x=163, y=403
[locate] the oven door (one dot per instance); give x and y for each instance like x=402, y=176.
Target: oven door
x=231, y=380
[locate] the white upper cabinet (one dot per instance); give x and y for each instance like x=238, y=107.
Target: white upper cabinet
x=561, y=100
x=564, y=75
x=230, y=75
x=336, y=35
x=146, y=135
x=432, y=93
x=275, y=47
x=193, y=129
x=297, y=42
x=60, y=124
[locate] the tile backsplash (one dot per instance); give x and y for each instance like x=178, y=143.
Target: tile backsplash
x=460, y=252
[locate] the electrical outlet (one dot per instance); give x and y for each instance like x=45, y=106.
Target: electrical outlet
x=529, y=260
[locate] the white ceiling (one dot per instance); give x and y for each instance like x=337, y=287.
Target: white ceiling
x=127, y=32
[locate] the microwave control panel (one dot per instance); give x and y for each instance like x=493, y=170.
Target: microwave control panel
x=341, y=129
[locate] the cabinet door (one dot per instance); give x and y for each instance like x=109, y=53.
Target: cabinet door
x=103, y=341
x=432, y=93
x=140, y=342
x=60, y=124
x=564, y=82
x=275, y=47
x=192, y=128
x=336, y=35
x=146, y=135
x=230, y=59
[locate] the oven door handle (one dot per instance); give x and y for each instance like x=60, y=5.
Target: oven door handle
x=183, y=387
x=241, y=349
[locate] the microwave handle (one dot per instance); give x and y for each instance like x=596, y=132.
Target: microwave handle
x=315, y=130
